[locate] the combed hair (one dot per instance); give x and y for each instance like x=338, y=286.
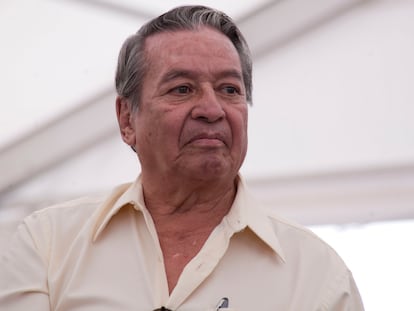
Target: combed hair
x=132, y=62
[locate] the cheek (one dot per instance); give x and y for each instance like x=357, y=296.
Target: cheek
x=240, y=126
x=162, y=128
x=238, y=123
x=144, y=130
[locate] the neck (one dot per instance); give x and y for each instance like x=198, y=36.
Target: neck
x=184, y=215
x=193, y=199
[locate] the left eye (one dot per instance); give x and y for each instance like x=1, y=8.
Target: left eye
x=230, y=90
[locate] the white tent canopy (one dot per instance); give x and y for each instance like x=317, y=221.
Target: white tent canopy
x=331, y=131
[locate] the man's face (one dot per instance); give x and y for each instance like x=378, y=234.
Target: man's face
x=192, y=115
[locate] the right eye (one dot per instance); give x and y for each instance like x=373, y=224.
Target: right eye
x=182, y=89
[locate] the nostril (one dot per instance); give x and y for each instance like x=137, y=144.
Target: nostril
x=202, y=118
x=208, y=115
x=208, y=112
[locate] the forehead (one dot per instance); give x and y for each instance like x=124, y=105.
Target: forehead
x=203, y=45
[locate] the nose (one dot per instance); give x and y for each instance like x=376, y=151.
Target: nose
x=207, y=107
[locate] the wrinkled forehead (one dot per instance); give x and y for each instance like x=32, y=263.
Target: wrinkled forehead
x=191, y=47
x=187, y=39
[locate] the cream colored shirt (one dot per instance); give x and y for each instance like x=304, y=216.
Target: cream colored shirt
x=95, y=255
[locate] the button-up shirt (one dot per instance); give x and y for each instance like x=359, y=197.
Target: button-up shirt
x=96, y=255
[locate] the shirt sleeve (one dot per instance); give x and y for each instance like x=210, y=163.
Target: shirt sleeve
x=345, y=297
x=23, y=272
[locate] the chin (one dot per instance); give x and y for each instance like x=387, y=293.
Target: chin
x=211, y=170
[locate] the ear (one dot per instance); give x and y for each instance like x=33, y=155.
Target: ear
x=124, y=115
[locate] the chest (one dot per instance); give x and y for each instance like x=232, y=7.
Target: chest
x=125, y=269
x=178, y=251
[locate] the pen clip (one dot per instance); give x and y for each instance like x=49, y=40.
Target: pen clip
x=223, y=303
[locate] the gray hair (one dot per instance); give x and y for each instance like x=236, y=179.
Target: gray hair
x=132, y=62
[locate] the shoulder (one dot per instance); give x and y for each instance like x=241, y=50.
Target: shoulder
x=296, y=236
x=303, y=248
x=316, y=264
x=291, y=229
x=77, y=210
x=60, y=224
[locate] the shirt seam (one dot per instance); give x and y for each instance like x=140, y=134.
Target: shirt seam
x=334, y=285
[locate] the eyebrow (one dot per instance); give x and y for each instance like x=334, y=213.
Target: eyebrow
x=178, y=73
x=192, y=74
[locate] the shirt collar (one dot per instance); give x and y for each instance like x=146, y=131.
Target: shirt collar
x=123, y=195
x=245, y=212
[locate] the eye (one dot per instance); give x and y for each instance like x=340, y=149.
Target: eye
x=182, y=89
x=230, y=90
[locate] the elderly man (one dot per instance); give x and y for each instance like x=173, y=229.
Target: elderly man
x=186, y=235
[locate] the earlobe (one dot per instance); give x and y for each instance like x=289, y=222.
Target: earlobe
x=124, y=116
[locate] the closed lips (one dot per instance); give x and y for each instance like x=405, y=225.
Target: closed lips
x=205, y=136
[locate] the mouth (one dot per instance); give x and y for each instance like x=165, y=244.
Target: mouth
x=208, y=140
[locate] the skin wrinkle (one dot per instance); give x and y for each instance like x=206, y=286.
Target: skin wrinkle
x=168, y=110
x=191, y=138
